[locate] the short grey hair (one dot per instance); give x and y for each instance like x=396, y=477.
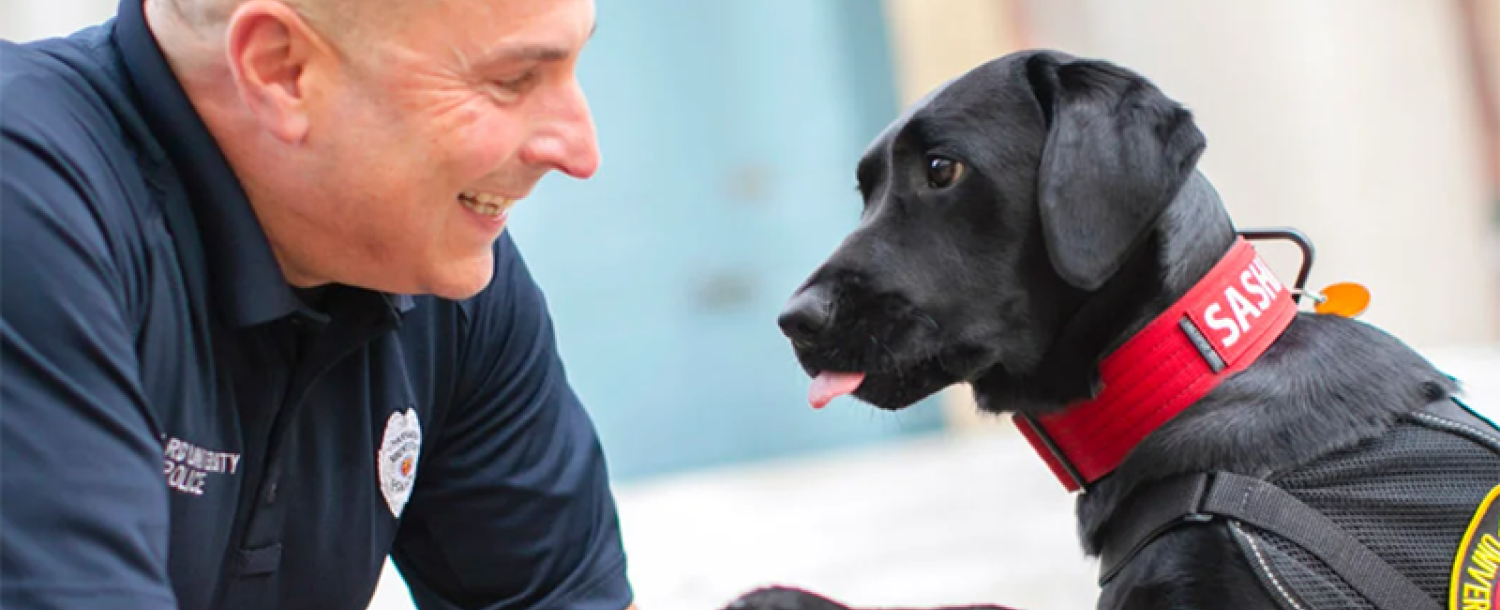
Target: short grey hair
x=332, y=18
x=201, y=14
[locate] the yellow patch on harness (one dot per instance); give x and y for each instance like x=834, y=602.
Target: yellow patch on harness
x=1478, y=558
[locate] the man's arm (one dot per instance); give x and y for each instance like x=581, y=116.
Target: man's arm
x=513, y=510
x=83, y=508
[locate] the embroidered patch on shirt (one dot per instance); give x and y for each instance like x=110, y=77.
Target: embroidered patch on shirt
x=187, y=466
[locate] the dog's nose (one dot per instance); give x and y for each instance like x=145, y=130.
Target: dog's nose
x=806, y=315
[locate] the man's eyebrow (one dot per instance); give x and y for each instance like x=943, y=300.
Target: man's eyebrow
x=529, y=52
x=524, y=52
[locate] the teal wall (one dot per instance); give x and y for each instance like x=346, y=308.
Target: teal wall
x=730, y=131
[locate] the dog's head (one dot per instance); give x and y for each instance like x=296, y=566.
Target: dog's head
x=1001, y=238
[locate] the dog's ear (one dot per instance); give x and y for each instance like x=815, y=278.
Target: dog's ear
x=1117, y=152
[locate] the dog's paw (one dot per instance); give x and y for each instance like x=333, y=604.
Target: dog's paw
x=783, y=598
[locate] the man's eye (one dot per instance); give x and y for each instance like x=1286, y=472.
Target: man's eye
x=509, y=90
x=518, y=83
x=942, y=172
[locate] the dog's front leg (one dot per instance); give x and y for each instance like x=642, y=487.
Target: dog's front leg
x=786, y=598
x=783, y=598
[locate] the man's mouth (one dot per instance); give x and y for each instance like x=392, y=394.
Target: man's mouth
x=486, y=203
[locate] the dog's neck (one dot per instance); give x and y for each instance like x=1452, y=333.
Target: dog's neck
x=1211, y=334
x=1154, y=370
x=1191, y=237
x=1327, y=383
x=1193, y=234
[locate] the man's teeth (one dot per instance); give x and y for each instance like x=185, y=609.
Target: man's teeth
x=485, y=203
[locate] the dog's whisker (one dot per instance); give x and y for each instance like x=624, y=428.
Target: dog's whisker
x=930, y=322
x=888, y=353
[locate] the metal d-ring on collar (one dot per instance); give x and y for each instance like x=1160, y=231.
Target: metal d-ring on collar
x=1299, y=289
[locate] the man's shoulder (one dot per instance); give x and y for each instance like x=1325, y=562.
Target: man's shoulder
x=66, y=121
x=67, y=102
x=63, y=97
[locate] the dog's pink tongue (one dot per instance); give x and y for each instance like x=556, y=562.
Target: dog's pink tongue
x=829, y=385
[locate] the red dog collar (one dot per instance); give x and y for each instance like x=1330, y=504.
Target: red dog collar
x=1216, y=330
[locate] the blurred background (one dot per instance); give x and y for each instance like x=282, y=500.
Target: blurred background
x=730, y=130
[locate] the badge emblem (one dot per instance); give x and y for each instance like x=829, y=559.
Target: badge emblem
x=397, y=461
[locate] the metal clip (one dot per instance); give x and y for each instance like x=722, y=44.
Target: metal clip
x=1299, y=292
x=1287, y=233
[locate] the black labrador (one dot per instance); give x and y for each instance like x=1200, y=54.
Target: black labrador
x=1022, y=221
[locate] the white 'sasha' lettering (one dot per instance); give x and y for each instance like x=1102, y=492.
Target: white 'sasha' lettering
x=1231, y=314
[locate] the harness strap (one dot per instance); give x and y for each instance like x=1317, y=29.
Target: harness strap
x=1204, y=496
x=1147, y=515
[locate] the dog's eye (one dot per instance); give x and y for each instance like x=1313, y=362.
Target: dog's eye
x=942, y=172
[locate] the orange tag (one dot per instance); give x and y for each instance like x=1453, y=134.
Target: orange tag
x=1346, y=299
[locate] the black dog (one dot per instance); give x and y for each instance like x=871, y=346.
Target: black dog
x=1022, y=222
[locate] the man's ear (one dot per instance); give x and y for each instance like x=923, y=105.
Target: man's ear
x=269, y=46
x=1117, y=152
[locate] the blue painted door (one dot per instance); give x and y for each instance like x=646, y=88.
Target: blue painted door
x=729, y=130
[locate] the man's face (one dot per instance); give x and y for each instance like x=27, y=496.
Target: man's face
x=428, y=133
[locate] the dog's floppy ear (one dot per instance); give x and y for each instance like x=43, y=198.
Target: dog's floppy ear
x=1117, y=152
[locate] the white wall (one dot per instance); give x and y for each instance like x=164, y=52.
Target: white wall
x=22, y=20
x=1354, y=121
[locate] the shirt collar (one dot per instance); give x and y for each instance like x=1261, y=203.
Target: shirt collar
x=244, y=276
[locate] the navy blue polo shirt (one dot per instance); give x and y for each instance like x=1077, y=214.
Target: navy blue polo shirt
x=179, y=428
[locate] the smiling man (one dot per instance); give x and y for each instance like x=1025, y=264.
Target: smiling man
x=262, y=324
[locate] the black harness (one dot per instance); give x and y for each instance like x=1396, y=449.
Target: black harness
x=1377, y=526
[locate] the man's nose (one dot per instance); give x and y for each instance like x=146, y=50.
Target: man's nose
x=568, y=143
x=806, y=315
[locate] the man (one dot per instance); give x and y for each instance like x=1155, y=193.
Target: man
x=261, y=324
